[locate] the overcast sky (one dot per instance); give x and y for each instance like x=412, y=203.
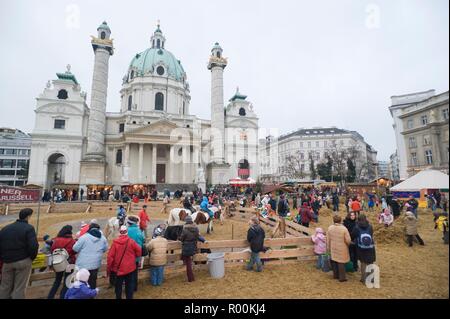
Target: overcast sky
x=301, y=63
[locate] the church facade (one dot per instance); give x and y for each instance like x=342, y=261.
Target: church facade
x=153, y=139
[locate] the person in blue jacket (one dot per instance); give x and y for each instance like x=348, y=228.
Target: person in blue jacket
x=121, y=214
x=135, y=233
x=204, y=206
x=81, y=288
x=90, y=248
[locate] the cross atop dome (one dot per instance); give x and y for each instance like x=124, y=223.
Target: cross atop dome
x=158, y=40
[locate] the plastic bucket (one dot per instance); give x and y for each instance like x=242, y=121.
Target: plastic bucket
x=216, y=264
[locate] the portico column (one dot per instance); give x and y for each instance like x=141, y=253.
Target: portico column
x=171, y=164
x=154, y=153
x=126, y=166
x=141, y=161
x=186, y=163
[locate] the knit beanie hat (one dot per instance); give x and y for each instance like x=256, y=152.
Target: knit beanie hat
x=123, y=230
x=132, y=220
x=189, y=220
x=83, y=275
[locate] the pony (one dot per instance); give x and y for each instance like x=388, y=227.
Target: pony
x=202, y=218
x=177, y=216
x=112, y=227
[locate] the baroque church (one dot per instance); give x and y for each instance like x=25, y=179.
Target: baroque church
x=153, y=140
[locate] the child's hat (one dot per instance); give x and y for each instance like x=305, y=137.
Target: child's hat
x=123, y=230
x=83, y=275
x=319, y=230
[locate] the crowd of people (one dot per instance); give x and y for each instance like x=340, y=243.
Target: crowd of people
x=347, y=245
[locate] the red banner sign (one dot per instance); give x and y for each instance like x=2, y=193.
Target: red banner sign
x=244, y=172
x=16, y=194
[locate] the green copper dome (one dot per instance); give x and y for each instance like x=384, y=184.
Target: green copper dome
x=146, y=62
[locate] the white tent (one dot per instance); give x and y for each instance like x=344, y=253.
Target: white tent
x=426, y=179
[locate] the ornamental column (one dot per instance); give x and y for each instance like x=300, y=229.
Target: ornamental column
x=94, y=161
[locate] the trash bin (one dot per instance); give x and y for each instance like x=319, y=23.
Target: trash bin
x=216, y=264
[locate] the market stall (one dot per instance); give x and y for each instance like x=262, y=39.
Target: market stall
x=423, y=183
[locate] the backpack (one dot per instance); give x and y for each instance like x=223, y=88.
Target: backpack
x=365, y=240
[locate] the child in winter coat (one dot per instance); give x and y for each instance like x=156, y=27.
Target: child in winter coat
x=80, y=288
x=386, y=217
x=442, y=225
x=320, y=245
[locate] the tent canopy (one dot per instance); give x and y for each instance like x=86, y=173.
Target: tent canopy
x=426, y=179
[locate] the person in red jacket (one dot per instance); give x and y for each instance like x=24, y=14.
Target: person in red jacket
x=122, y=261
x=143, y=220
x=63, y=240
x=356, y=206
x=306, y=215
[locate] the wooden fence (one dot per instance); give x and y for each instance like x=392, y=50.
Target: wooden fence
x=78, y=207
x=282, y=250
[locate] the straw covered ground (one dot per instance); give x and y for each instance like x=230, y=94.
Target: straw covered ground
x=417, y=272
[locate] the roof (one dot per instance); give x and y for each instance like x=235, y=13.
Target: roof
x=238, y=96
x=104, y=26
x=146, y=61
x=426, y=179
x=315, y=132
x=67, y=76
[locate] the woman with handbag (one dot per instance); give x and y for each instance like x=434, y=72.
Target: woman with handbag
x=63, y=240
x=122, y=263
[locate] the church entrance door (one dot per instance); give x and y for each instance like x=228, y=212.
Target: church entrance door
x=161, y=173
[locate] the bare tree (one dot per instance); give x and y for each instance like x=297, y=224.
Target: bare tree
x=293, y=166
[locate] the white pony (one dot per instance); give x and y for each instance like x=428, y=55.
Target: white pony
x=177, y=216
x=112, y=227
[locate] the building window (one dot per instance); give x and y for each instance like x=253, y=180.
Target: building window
x=301, y=144
x=60, y=124
x=410, y=124
x=445, y=114
x=119, y=157
x=325, y=144
x=309, y=144
x=160, y=70
x=414, y=159
x=342, y=142
x=429, y=157
x=22, y=163
x=184, y=107
x=317, y=144
x=131, y=75
x=121, y=127
x=158, y=43
x=103, y=35
x=8, y=163
x=242, y=111
x=218, y=54
x=130, y=102
x=424, y=119
x=62, y=94
x=159, y=101
x=412, y=142
x=426, y=140
x=302, y=156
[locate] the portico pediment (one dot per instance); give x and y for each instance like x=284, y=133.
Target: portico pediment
x=161, y=127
